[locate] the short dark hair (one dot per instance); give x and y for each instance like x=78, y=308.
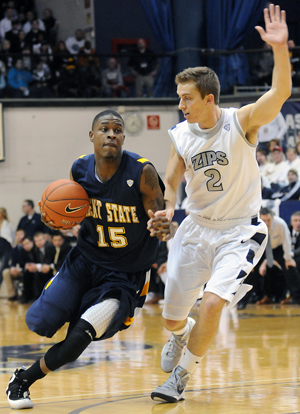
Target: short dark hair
x=107, y=112
x=264, y=211
x=205, y=79
x=30, y=203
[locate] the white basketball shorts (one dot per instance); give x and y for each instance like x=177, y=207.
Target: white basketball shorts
x=218, y=255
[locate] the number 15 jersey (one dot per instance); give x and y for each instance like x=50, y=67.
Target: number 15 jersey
x=222, y=174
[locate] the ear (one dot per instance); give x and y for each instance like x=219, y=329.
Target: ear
x=91, y=135
x=123, y=139
x=210, y=99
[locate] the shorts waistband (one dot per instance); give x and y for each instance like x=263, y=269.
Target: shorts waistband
x=217, y=224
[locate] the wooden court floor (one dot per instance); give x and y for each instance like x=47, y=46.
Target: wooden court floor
x=251, y=367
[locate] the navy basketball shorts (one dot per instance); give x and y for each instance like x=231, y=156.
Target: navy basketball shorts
x=80, y=284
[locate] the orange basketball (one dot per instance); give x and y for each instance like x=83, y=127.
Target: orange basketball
x=65, y=202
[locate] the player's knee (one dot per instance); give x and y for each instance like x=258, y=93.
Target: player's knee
x=212, y=303
x=174, y=325
x=72, y=347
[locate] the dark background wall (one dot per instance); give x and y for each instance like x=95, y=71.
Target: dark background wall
x=127, y=19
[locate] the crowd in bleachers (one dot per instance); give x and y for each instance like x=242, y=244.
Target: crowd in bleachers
x=35, y=63
x=31, y=254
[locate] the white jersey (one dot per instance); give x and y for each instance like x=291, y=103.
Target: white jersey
x=222, y=174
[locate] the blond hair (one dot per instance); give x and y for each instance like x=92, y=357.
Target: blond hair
x=205, y=79
x=4, y=213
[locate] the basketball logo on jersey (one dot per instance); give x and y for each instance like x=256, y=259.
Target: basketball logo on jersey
x=209, y=158
x=227, y=127
x=129, y=183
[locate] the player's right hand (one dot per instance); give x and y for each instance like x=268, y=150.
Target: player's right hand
x=46, y=219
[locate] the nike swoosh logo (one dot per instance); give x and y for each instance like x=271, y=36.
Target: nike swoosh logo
x=68, y=209
x=244, y=241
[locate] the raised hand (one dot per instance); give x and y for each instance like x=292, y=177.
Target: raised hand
x=276, y=31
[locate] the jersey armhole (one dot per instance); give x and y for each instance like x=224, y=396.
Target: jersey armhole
x=174, y=142
x=240, y=130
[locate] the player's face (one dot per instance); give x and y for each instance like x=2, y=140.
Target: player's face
x=108, y=136
x=193, y=106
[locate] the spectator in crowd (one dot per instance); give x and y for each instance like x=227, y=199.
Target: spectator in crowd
x=61, y=58
x=291, y=191
x=6, y=22
x=7, y=237
x=31, y=222
x=40, y=268
x=265, y=167
x=261, y=67
x=86, y=56
x=91, y=82
x=112, y=80
x=51, y=26
x=275, y=129
x=144, y=65
x=295, y=62
x=5, y=54
x=293, y=160
x=22, y=42
x=2, y=79
x=18, y=81
x=70, y=83
x=7, y=231
x=27, y=287
x=35, y=36
x=28, y=61
x=295, y=235
x=266, y=191
x=41, y=80
x=29, y=23
x=278, y=177
x=15, y=270
x=278, y=268
x=62, y=249
x=13, y=36
x=74, y=43
x=298, y=146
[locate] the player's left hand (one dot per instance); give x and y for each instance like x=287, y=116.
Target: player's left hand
x=160, y=227
x=276, y=31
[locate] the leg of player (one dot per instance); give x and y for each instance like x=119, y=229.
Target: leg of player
x=92, y=325
x=201, y=336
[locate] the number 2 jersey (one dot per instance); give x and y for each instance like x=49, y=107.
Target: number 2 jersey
x=222, y=174
x=114, y=232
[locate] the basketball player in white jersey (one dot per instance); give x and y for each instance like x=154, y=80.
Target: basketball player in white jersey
x=222, y=238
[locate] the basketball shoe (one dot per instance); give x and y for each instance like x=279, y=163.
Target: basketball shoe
x=173, y=351
x=17, y=392
x=172, y=390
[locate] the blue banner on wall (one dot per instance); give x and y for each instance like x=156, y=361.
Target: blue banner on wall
x=291, y=113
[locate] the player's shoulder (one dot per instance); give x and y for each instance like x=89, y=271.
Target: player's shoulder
x=84, y=159
x=135, y=158
x=181, y=126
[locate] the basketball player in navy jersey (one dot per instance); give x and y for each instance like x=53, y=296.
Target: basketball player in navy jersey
x=104, y=279
x=222, y=238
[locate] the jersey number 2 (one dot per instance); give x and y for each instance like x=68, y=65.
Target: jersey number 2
x=214, y=183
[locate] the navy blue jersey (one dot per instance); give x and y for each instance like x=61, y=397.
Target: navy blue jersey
x=114, y=233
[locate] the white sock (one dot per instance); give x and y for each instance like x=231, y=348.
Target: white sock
x=182, y=330
x=190, y=361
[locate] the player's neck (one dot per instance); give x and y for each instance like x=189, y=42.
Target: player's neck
x=107, y=167
x=211, y=119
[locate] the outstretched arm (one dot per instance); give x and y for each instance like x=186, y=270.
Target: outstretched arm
x=266, y=108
